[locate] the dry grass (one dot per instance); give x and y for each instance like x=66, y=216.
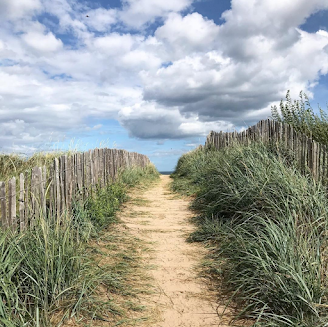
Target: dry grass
x=119, y=254
x=140, y=202
x=124, y=258
x=13, y=164
x=136, y=214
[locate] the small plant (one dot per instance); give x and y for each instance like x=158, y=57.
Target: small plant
x=40, y=270
x=103, y=204
x=301, y=116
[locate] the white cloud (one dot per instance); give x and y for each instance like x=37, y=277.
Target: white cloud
x=52, y=108
x=185, y=35
x=139, y=60
x=322, y=33
x=148, y=120
x=136, y=13
x=268, y=17
x=71, y=15
x=272, y=21
x=14, y=9
x=100, y=19
x=253, y=63
x=42, y=42
x=114, y=44
x=188, y=77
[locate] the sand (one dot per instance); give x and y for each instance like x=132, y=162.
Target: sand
x=181, y=297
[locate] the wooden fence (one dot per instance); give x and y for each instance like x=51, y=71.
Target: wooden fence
x=49, y=192
x=309, y=153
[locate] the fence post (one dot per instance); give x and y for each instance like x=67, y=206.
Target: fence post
x=62, y=184
x=68, y=182
x=4, y=222
x=21, y=203
x=42, y=186
x=12, y=204
x=79, y=162
x=28, y=204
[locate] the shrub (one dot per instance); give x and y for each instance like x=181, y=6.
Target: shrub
x=103, y=204
x=301, y=116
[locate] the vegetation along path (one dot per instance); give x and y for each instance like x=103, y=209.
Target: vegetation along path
x=181, y=298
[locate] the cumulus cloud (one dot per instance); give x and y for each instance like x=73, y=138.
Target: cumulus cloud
x=140, y=60
x=147, y=120
x=42, y=42
x=246, y=66
x=14, y=9
x=100, y=19
x=114, y=43
x=272, y=24
x=136, y=13
x=60, y=69
x=188, y=34
x=72, y=20
x=34, y=109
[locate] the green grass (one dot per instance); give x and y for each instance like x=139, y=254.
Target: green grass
x=40, y=269
x=136, y=175
x=267, y=224
x=52, y=272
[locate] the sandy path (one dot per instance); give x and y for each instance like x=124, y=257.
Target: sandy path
x=180, y=298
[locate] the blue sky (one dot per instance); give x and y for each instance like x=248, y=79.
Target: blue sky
x=152, y=76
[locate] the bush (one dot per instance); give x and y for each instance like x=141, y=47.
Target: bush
x=103, y=204
x=301, y=116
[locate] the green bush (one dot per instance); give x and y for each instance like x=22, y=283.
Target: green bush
x=268, y=225
x=189, y=173
x=301, y=116
x=103, y=204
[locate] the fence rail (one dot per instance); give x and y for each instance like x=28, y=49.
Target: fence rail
x=309, y=153
x=44, y=192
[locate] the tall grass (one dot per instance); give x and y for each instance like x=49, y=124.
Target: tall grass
x=49, y=272
x=41, y=271
x=268, y=225
x=12, y=164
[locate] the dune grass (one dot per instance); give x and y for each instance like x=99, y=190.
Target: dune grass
x=13, y=164
x=51, y=273
x=267, y=225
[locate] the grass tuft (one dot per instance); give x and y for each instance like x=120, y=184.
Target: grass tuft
x=13, y=164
